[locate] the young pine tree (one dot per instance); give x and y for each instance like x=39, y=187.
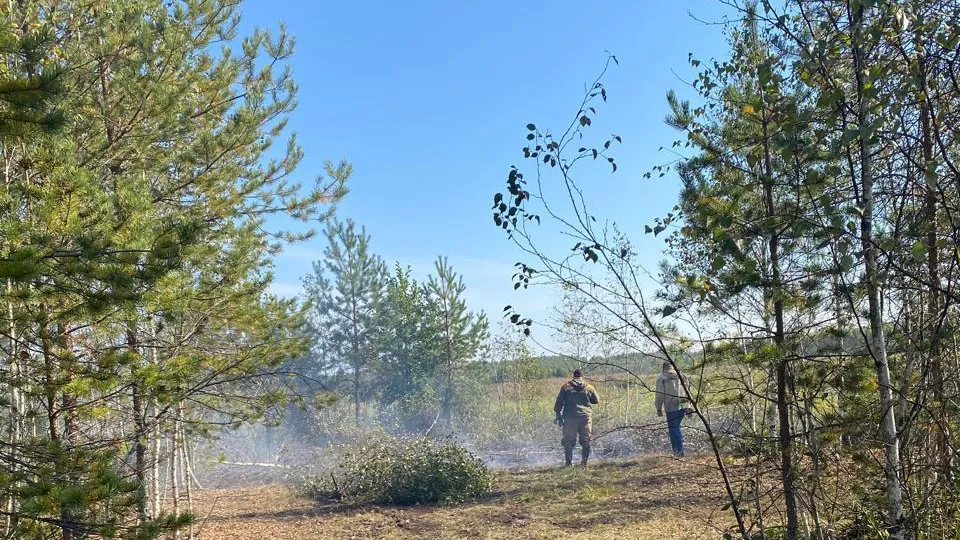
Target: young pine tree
x=462, y=332
x=408, y=347
x=347, y=289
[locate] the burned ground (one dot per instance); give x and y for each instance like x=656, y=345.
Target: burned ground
x=647, y=497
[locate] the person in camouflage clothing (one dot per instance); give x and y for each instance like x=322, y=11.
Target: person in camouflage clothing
x=574, y=409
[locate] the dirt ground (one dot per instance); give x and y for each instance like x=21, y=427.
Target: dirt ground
x=651, y=497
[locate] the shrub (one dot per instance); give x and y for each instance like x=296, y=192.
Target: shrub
x=404, y=472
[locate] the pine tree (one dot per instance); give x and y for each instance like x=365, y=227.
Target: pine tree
x=347, y=288
x=462, y=332
x=408, y=346
x=29, y=82
x=136, y=250
x=741, y=252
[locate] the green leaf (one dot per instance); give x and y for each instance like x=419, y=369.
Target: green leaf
x=849, y=136
x=764, y=73
x=531, y=127
x=919, y=249
x=846, y=263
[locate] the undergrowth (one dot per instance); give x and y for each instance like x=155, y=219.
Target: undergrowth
x=403, y=472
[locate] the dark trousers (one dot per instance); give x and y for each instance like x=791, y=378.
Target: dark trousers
x=577, y=426
x=673, y=427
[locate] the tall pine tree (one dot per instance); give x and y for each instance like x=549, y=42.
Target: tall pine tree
x=136, y=249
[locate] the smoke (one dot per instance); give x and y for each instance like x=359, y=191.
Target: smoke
x=307, y=443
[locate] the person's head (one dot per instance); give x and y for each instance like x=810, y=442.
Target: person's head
x=667, y=366
x=577, y=374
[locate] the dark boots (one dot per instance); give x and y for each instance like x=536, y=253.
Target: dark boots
x=584, y=455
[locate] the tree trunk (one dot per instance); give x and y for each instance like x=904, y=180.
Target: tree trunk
x=188, y=464
x=941, y=451
x=877, y=341
x=55, y=376
x=52, y=385
x=813, y=444
x=356, y=361
x=185, y=468
x=15, y=426
x=356, y=393
x=174, y=475
x=157, y=505
x=910, y=355
x=841, y=346
x=139, y=425
x=153, y=431
x=779, y=337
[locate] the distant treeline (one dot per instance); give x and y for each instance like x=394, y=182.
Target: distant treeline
x=562, y=366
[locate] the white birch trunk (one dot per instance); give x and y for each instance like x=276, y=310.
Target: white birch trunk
x=871, y=276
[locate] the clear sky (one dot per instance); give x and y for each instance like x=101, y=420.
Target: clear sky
x=428, y=100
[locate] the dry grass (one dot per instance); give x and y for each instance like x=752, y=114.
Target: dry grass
x=648, y=498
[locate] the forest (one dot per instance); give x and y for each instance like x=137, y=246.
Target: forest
x=807, y=274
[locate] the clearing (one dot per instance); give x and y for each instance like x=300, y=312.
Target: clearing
x=650, y=497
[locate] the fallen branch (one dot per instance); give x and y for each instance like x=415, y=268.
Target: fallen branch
x=254, y=464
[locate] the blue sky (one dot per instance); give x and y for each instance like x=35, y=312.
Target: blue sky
x=428, y=100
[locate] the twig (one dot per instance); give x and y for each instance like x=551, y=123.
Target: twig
x=429, y=429
x=210, y=513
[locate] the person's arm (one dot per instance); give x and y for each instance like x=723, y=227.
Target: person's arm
x=658, y=401
x=593, y=396
x=558, y=404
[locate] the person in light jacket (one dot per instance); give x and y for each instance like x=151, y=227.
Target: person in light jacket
x=672, y=397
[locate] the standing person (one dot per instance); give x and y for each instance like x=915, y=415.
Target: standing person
x=574, y=409
x=672, y=396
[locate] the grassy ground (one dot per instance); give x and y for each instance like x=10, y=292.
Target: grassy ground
x=652, y=497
